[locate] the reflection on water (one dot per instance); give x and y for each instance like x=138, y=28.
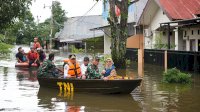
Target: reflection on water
x=19, y=91
x=49, y=99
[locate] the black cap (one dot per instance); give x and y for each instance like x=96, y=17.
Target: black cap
x=96, y=58
x=51, y=55
x=86, y=59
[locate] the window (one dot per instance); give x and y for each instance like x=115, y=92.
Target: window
x=198, y=32
x=192, y=32
x=185, y=34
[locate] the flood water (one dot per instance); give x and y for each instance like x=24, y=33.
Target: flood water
x=20, y=91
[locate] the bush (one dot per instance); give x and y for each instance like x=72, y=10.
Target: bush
x=176, y=76
x=75, y=50
x=5, y=48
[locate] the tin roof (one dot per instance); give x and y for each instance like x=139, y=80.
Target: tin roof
x=180, y=9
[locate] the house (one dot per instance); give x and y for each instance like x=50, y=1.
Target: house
x=78, y=28
x=134, y=13
x=171, y=24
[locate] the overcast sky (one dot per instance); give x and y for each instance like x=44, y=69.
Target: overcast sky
x=73, y=7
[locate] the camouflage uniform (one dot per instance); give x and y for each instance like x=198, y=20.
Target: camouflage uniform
x=92, y=72
x=48, y=69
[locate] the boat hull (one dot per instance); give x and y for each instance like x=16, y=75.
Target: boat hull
x=25, y=65
x=90, y=85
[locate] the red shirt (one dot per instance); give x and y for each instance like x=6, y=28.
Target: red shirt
x=32, y=55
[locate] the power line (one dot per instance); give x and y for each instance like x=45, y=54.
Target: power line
x=82, y=17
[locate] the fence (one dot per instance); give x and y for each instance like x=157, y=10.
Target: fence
x=183, y=60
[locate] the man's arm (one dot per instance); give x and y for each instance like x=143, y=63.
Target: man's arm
x=37, y=57
x=17, y=57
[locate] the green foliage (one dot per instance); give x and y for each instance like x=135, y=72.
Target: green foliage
x=128, y=61
x=105, y=56
x=10, y=10
x=59, y=17
x=176, y=76
x=95, y=45
x=75, y=50
x=159, y=42
x=5, y=48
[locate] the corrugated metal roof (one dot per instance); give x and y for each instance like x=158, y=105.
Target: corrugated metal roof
x=180, y=9
x=78, y=28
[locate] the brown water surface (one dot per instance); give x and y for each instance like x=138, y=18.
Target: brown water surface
x=20, y=91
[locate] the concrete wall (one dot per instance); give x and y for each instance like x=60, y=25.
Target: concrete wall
x=181, y=45
x=189, y=37
x=158, y=18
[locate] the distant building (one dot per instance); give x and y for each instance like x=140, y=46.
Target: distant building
x=175, y=23
x=78, y=28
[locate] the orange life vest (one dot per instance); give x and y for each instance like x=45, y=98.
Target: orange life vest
x=74, y=71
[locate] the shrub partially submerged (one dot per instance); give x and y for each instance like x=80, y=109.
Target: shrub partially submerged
x=5, y=48
x=176, y=76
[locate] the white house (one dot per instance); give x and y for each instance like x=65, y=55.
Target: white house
x=135, y=11
x=174, y=23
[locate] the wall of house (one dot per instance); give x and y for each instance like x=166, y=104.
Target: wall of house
x=107, y=41
x=181, y=43
x=172, y=39
x=189, y=37
x=158, y=18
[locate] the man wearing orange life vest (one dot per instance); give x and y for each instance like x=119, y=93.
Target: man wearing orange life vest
x=72, y=68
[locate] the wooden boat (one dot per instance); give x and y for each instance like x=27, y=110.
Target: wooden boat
x=25, y=65
x=90, y=85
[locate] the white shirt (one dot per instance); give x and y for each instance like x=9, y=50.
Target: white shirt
x=66, y=68
x=83, y=68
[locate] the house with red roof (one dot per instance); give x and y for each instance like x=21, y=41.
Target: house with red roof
x=171, y=24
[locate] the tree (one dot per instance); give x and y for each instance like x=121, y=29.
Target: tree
x=57, y=22
x=24, y=28
x=119, y=30
x=59, y=16
x=11, y=9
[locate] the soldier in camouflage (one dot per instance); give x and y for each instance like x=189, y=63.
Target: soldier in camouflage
x=48, y=69
x=92, y=71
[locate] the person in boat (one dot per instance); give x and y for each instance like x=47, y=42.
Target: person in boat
x=42, y=55
x=84, y=66
x=36, y=44
x=65, y=62
x=20, y=56
x=33, y=57
x=48, y=68
x=92, y=71
x=24, y=56
x=72, y=68
x=109, y=71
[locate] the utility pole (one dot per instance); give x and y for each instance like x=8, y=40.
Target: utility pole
x=51, y=25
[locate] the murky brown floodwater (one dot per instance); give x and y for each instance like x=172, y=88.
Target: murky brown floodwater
x=20, y=91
